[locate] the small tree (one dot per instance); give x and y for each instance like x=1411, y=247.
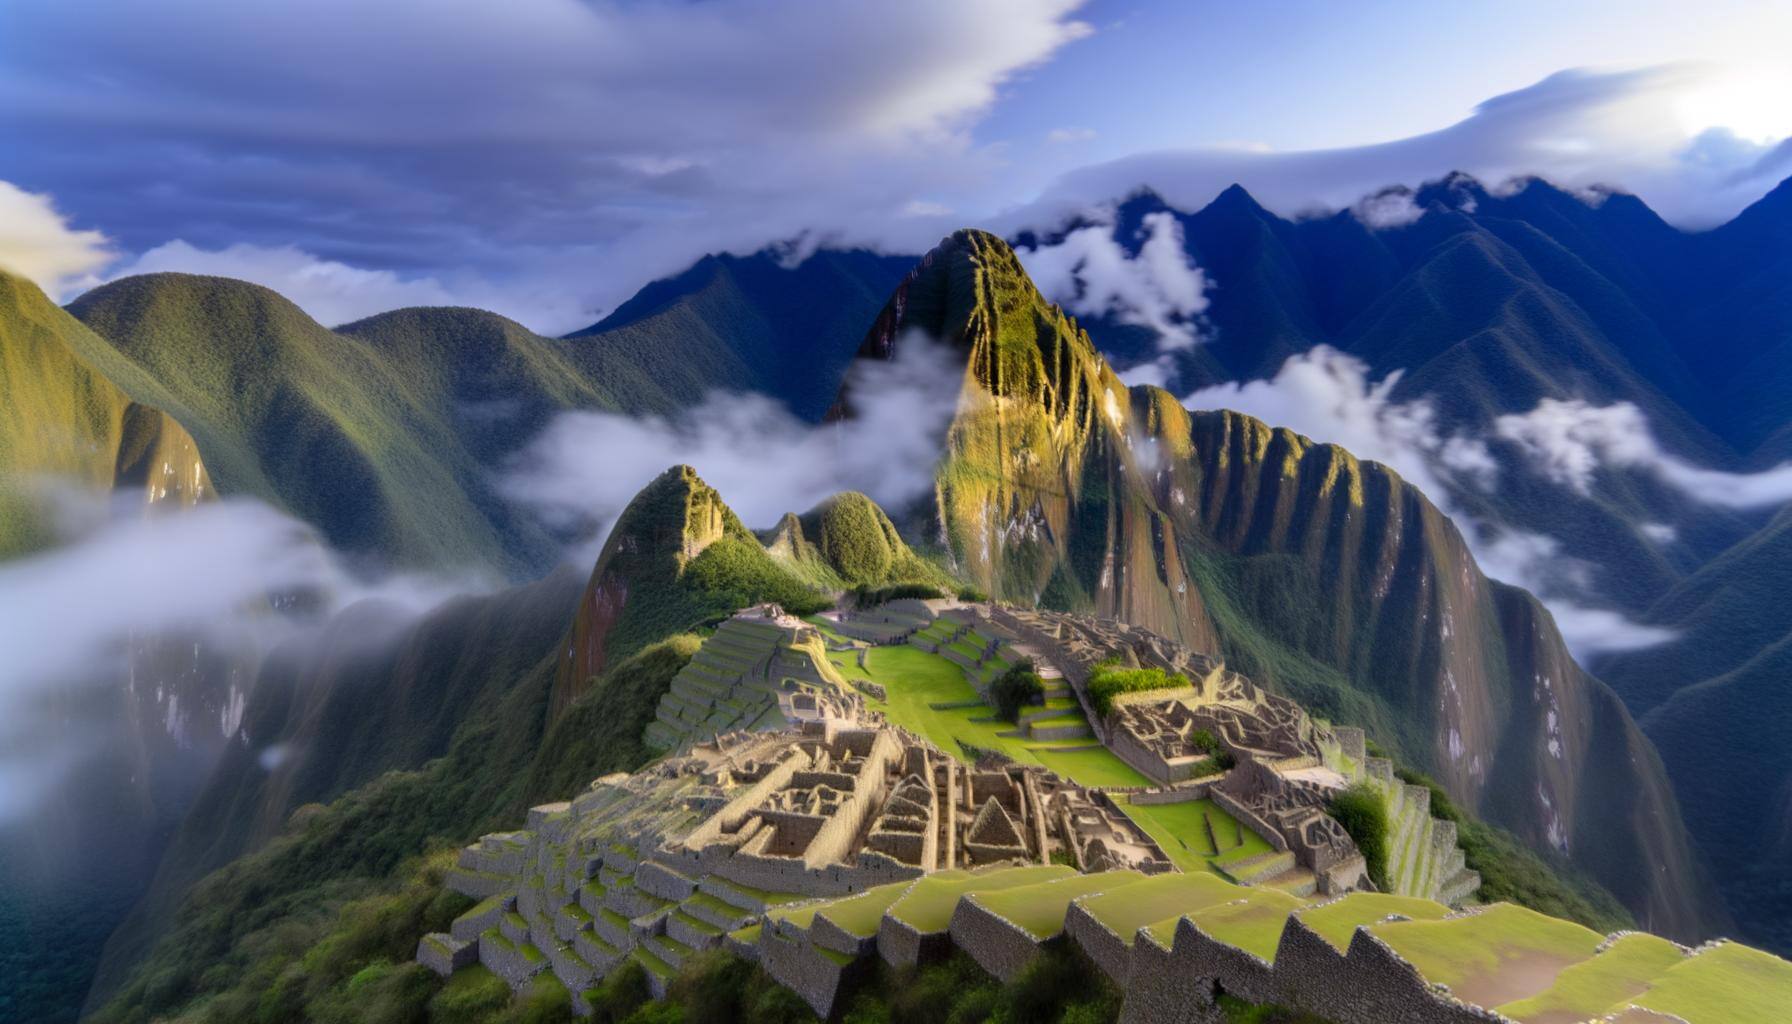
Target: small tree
x=1016, y=688
x=1360, y=809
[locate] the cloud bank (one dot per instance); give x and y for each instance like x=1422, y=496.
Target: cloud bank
x=1569, y=441
x=1579, y=129
x=75, y=613
x=584, y=468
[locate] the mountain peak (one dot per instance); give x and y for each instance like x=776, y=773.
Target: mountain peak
x=1235, y=199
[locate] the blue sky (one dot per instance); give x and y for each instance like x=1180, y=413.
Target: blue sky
x=546, y=157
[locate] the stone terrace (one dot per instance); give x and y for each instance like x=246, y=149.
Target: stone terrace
x=656, y=865
x=1174, y=942
x=761, y=669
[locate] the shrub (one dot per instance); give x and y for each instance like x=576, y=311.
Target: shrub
x=1016, y=688
x=973, y=595
x=865, y=595
x=1110, y=681
x=620, y=994
x=1359, y=808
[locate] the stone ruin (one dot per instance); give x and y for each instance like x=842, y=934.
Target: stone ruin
x=1286, y=765
x=659, y=864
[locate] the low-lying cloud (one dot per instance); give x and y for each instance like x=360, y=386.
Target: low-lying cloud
x=584, y=468
x=1569, y=441
x=1328, y=396
x=224, y=574
x=1090, y=273
x=39, y=244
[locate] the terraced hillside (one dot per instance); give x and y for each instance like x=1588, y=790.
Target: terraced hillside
x=1318, y=576
x=1173, y=943
x=751, y=673
x=655, y=866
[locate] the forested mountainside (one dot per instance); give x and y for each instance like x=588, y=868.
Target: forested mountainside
x=1326, y=577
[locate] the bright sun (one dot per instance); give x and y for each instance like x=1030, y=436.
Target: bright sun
x=1755, y=103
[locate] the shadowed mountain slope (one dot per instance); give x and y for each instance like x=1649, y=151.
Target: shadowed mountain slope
x=754, y=323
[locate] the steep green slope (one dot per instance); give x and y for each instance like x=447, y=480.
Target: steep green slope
x=308, y=926
x=848, y=541
x=1327, y=578
x=63, y=422
x=382, y=435
x=677, y=558
x=373, y=693
x=479, y=705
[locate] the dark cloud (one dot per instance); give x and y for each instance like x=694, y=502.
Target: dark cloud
x=587, y=143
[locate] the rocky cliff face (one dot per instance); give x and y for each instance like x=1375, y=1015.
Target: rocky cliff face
x=1328, y=578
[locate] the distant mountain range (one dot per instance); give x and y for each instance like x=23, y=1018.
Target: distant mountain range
x=1324, y=576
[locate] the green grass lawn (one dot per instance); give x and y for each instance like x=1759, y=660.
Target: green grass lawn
x=928, y=906
x=1129, y=908
x=856, y=915
x=1253, y=922
x=1179, y=830
x=1610, y=980
x=913, y=679
x=1730, y=984
x=1039, y=909
x=1338, y=920
x=860, y=915
x=1475, y=954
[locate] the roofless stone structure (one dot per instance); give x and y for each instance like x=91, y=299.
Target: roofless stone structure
x=661, y=863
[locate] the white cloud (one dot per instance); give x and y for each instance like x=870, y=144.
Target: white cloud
x=37, y=243
x=335, y=293
x=1568, y=441
x=1389, y=208
x=1579, y=129
x=1660, y=533
x=1091, y=274
x=1328, y=396
x=130, y=573
x=1066, y=136
x=583, y=469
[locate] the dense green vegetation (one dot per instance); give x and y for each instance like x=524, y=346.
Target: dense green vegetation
x=1513, y=872
x=64, y=422
x=1017, y=687
x=866, y=596
x=283, y=933
x=1363, y=813
x=1111, y=680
